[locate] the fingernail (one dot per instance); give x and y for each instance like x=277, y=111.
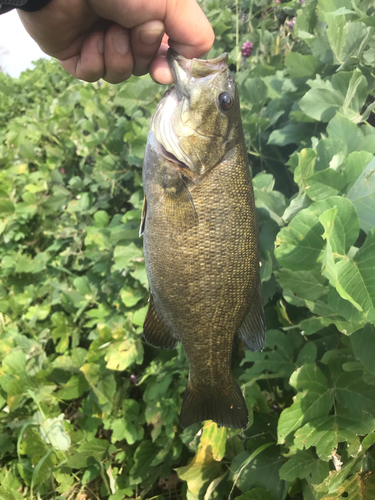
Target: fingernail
x=151, y=36
x=101, y=45
x=121, y=42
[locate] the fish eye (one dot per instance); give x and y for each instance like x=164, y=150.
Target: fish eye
x=225, y=101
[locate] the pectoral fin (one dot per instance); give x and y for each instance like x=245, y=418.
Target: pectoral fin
x=156, y=331
x=253, y=327
x=179, y=206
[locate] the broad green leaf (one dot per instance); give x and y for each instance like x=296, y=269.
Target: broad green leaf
x=255, y=494
x=121, y=355
x=260, y=469
x=341, y=127
x=292, y=133
x=363, y=343
x=204, y=468
x=53, y=432
x=305, y=284
x=254, y=90
x=321, y=101
x=314, y=400
x=131, y=297
x=356, y=280
x=325, y=434
x=277, y=356
x=88, y=453
x=301, y=244
x=299, y=65
x=337, y=31
x=354, y=394
x=362, y=194
x=360, y=486
x=125, y=256
x=139, y=316
x=304, y=465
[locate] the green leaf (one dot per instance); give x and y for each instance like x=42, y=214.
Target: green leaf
x=337, y=31
x=88, y=453
x=121, y=355
x=254, y=90
x=299, y=65
x=215, y=438
x=304, y=465
x=125, y=256
x=277, y=356
x=53, y=432
x=314, y=400
x=363, y=343
x=301, y=244
x=142, y=469
x=255, y=494
x=354, y=394
x=362, y=194
x=260, y=469
x=325, y=434
x=343, y=128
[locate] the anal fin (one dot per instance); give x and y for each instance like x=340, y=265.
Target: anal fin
x=155, y=330
x=253, y=327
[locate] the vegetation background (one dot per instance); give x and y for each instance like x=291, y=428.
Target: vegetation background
x=87, y=409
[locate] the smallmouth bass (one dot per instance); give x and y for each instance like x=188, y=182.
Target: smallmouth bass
x=201, y=236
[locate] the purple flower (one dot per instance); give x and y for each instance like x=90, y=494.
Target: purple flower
x=247, y=49
x=243, y=18
x=302, y=2
x=277, y=1
x=133, y=379
x=291, y=23
x=62, y=170
x=100, y=83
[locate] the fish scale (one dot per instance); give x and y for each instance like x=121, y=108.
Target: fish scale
x=201, y=243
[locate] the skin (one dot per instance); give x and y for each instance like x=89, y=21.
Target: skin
x=114, y=39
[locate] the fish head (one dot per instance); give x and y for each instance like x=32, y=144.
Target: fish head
x=198, y=120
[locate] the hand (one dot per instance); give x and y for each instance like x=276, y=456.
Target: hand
x=114, y=39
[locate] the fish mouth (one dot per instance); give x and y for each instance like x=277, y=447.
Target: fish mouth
x=184, y=69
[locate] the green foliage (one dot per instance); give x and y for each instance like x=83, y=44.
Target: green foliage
x=88, y=410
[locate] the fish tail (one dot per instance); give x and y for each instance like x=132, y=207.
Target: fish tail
x=227, y=408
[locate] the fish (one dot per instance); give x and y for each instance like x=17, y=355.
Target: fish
x=201, y=240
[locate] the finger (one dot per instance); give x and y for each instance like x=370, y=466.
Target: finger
x=88, y=65
x=145, y=41
x=117, y=55
x=188, y=28
x=160, y=70
x=190, y=33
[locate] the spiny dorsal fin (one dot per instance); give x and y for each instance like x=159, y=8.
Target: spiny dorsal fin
x=253, y=327
x=155, y=330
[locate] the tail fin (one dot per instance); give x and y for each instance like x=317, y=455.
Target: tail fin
x=225, y=408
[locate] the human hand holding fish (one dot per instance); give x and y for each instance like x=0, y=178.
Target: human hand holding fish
x=117, y=38
x=201, y=236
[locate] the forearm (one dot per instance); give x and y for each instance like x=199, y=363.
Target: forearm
x=27, y=5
